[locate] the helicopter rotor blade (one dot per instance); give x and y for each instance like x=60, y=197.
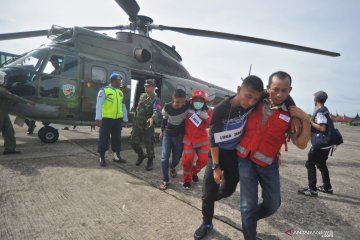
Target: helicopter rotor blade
x=241, y=38
x=28, y=34
x=39, y=33
x=130, y=7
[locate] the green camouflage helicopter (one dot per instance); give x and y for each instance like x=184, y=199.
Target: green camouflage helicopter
x=58, y=82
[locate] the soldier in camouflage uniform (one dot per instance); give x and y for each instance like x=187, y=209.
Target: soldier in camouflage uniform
x=6, y=127
x=147, y=112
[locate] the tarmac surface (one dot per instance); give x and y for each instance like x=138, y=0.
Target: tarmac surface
x=58, y=191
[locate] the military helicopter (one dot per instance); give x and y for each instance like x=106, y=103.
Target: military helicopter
x=58, y=82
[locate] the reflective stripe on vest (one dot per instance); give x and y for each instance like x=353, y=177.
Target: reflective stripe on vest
x=112, y=106
x=241, y=149
x=261, y=157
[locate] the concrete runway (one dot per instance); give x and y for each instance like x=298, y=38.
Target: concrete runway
x=58, y=191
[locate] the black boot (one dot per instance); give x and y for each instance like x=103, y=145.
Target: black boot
x=140, y=159
x=202, y=231
x=102, y=160
x=149, y=165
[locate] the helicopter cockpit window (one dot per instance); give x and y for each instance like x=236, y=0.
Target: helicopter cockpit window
x=31, y=60
x=70, y=68
x=98, y=75
x=54, y=64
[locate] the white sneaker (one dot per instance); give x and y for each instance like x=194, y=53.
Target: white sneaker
x=116, y=158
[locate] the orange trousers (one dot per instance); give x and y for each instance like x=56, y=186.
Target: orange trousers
x=189, y=169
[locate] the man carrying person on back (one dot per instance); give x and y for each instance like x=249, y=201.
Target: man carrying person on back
x=259, y=151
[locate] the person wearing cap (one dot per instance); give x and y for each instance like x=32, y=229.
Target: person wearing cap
x=147, y=112
x=110, y=112
x=317, y=157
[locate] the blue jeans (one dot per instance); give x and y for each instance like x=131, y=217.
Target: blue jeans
x=250, y=175
x=174, y=145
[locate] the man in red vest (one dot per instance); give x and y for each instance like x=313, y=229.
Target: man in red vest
x=259, y=151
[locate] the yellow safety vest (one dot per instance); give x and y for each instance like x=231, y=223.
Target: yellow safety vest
x=112, y=105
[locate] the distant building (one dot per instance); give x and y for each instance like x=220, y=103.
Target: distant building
x=341, y=118
x=5, y=57
x=355, y=121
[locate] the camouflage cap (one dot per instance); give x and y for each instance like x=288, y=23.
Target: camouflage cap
x=150, y=82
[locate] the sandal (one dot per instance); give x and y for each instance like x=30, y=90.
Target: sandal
x=164, y=185
x=173, y=173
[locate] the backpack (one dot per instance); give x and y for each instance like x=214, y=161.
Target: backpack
x=330, y=137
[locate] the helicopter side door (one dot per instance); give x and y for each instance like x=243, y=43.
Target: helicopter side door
x=59, y=85
x=96, y=76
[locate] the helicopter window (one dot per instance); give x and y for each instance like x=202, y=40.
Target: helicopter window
x=98, y=74
x=54, y=64
x=70, y=68
x=31, y=60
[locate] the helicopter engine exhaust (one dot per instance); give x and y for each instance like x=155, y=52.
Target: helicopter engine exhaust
x=142, y=55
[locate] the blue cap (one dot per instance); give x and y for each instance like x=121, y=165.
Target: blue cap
x=116, y=76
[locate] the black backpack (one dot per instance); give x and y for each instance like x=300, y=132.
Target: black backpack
x=332, y=135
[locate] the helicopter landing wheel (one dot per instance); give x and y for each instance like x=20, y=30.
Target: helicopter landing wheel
x=48, y=134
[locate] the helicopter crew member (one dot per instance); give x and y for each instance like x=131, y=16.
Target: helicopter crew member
x=196, y=138
x=110, y=112
x=147, y=112
x=6, y=127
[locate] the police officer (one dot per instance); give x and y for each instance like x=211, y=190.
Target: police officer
x=147, y=111
x=6, y=127
x=110, y=112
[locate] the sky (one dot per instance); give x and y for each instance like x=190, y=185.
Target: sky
x=326, y=24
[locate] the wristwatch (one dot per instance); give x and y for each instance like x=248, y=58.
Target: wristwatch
x=215, y=166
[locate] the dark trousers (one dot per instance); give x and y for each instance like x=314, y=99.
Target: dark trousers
x=211, y=190
x=110, y=127
x=318, y=157
x=6, y=127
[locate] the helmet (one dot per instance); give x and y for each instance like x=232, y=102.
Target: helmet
x=200, y=93
x=116, y=76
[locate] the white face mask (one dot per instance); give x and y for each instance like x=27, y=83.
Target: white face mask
x=198, y=105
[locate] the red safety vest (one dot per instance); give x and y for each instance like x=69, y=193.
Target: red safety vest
x=196, y=136
x=264, y=143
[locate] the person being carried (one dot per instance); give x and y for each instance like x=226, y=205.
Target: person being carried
x=172, y=133
x=196, y=137
x=259, y=151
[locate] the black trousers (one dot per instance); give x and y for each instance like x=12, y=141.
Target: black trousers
x=318, y=157
x=113, y=127
x=211, y=190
